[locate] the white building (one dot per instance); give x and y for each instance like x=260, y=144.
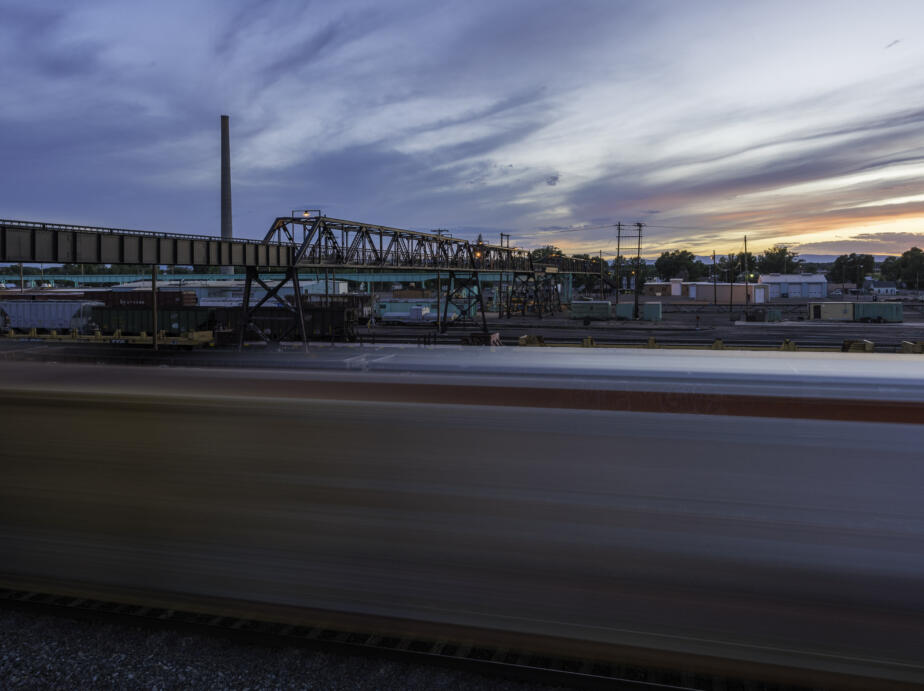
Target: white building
x=795, y=285
x=881, y=287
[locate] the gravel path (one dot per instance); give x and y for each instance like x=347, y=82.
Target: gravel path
x=56, y=652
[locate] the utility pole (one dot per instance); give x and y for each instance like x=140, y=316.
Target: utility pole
x=499, y=297
x=715, y=275
x=602, y=285
x=747, y=296
x=638, y=268
x=618, y=241
x=731, y=286
x=439, y=296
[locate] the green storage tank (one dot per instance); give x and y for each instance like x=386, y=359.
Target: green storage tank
x=878, y=312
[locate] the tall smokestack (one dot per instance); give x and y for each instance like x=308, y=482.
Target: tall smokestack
x=226, y=184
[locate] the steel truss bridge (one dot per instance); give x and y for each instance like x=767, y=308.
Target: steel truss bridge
x=319, y=242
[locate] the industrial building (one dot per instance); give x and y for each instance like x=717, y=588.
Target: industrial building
x=707, y=291
x=795, y=285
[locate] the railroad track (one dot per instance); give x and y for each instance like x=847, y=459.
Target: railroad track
x=516, y=657
x=509, y=339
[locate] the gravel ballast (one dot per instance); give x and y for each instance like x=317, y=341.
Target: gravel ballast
x=39, y=650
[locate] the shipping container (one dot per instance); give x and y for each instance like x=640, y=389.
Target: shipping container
x=47, y=315
x=624, y=310
x=591, y=310
x=831, y=311
x=648, y=311
x=878, y=312
x=651, y=311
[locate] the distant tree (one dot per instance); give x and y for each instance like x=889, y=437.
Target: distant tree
x=624, y=266
x=543, y=253
x=726, y=267
x=700, y=271
x=907, y=269
x=731, y=267
x=851, y=268
x=746, y=261
x=641, y=271
x=678, y=264
x=779, y=259
x=27, y=270
x=891, y=269
x=591, y=281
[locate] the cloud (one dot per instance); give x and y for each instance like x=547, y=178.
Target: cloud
x=546, y=120
x=869, y=243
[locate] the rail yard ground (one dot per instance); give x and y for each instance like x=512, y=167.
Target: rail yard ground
x=45, y=650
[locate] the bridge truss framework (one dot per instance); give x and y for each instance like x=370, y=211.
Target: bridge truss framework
x=312, y=241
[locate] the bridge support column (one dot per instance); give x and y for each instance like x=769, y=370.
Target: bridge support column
x=463, y=291
x=248, y=312
x=524, y=294
x=154, y=305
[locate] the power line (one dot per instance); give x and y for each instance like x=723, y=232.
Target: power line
x=545, y=233
x=542, y=233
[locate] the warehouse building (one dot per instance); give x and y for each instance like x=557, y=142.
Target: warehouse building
x=795, y=285
x=707, y=291
x=880, y=287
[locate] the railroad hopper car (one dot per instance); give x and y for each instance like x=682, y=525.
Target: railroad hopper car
x=321, y=321
x=46, y=315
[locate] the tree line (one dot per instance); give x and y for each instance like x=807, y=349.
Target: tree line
x=906, y=270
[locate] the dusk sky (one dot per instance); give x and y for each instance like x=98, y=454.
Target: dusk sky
x=795, y=122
